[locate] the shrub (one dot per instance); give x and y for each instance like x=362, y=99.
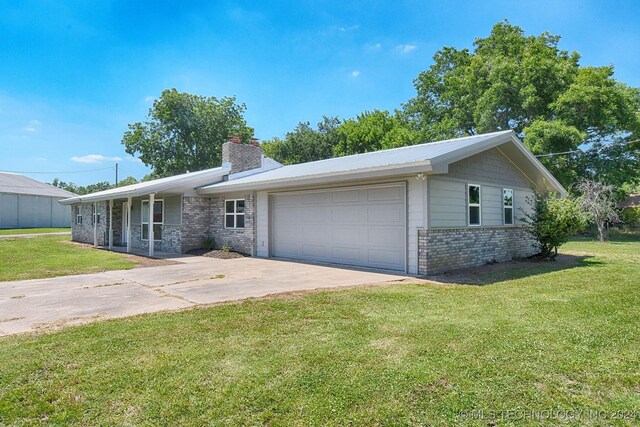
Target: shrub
x=209, y=243
x=552, y=221
x=631, y=218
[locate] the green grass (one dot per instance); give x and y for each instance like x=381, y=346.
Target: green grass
x=564, y=337
x=7, y=231
x=50, y=256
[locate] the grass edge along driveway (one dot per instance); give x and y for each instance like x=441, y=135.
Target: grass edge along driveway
x=554, y=339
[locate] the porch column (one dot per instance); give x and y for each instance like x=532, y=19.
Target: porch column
x=95, y=224
x=129, y=225
x=150, y=224
x=110, y=224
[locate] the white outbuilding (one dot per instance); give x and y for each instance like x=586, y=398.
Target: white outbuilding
x=28, y=203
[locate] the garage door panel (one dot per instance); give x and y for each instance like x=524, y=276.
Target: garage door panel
x=316, y=198
x=292, y=214
x=346, y=196
x=314, y=251
x=384, y=237
x=387, y=214
x=346, y=214
x=317, y=214
x=345, y=235
x=362, y=226
x=393, y=194
x=346, y=254
x=316, y=233
x=384, y=257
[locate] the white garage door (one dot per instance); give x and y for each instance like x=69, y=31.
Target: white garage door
x=363, y=226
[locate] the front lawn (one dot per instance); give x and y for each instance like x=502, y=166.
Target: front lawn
x=9, y=231
x=562, y=337
x=50, y=256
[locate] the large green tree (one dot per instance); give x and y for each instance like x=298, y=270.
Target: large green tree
x=184, y=132
x=372, y=131
x=304, y=143
x=528, y=84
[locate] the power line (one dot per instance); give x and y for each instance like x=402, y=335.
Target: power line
x=56, y=172
x=581, y=151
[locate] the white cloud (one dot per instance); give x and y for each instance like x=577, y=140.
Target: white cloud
x=405, y=48
x=148, y=98
x=33, y=126
x=373, y=46
x=41, y=159
x=345, y=29
x=355, y=73
x=94, y=158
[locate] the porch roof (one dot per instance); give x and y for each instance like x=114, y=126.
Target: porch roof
x=178, y=183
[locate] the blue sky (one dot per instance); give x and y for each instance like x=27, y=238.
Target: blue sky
x=73, y=74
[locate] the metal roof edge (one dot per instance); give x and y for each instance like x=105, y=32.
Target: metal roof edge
x=131, y=191
x=226, y=186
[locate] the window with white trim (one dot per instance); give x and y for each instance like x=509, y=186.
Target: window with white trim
x=473, y=198
x=507, y=204
x=157, y=218
x=93, y=214
x=78, y=210
x=234, y=213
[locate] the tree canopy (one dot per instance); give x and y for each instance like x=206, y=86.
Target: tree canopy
x=304, y=143
x=529, y=85
x=91, y=188
x=185, y=132
x=508, y=81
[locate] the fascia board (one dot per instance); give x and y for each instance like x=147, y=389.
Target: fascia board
x=423, y=166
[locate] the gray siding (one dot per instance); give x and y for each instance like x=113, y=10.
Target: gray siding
x=492, y=171
x=447, y=203
x=489, y=167
x=29, y=211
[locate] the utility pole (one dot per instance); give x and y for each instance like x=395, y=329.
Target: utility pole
x=116, y=174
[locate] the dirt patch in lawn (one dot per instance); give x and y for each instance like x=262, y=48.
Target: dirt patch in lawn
x=214, y=253
x=509, y=270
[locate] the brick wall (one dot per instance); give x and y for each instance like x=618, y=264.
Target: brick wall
x=240, y=240
x=445, y=249
x=83, y=233
x=242, y=157
x=196, y=220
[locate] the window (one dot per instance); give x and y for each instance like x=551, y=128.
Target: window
x=234, y=213
x=78, y=210
x=474, y=204
x=507, y=203
x=93, y=214
x=157, y=218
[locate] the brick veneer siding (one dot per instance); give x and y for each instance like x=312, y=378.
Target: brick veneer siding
x=242, y=157
x=117, y=223
x=170, y=239
x=196, y=221
x=442, y=249
x=240, y=240
x=83, y=233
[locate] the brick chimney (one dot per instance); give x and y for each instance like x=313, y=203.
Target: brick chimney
x=242, y=157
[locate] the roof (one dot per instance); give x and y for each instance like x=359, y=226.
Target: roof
x=632, y=201
x=431, y=157
x=19, y=184
x=176, y=183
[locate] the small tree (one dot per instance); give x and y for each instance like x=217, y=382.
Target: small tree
x=552, y=220
x=598, y=201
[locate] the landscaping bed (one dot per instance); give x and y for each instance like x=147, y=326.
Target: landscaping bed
x=216, y=253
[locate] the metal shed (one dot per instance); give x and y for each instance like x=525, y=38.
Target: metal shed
x=27, y=203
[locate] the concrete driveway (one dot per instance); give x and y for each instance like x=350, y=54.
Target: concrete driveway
x=43, y=304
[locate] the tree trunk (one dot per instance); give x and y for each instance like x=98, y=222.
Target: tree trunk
x=601, y=232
